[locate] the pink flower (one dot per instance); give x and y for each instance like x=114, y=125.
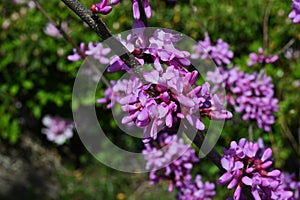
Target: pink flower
x=220, y=53
x=102, y=7
x=97, y=51
x=136, y=9
x=169, y=159
x=248, y=164
x=252, y=95
x=58, y=129
x=51, y=30
x=295, y=13
x=261, y=58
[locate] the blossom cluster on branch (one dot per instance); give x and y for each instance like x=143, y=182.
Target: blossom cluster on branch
x=220, y=52
x=261, y=58
x=252, y=95
x=169, y=159
x=171, y=95
x=249, y=164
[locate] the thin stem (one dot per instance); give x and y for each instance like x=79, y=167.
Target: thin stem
x=103, y=32
x=266, y=24
x=287, y=132
x=250, y=132
x=288, y=45
x=70, y=40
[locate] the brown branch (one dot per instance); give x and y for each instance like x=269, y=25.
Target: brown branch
x=103, y=32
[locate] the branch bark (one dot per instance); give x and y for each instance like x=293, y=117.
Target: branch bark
x=97, y=24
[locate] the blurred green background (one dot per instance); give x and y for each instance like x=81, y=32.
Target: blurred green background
x=37, y=79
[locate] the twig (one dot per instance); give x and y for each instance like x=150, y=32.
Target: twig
x=70, y=40
x=250, y=131
x=213, y=155
x=103, y=32
x=288, y=45
x=290, y=136
x=265, y=25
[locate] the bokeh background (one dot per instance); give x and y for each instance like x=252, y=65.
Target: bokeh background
x=36, y=79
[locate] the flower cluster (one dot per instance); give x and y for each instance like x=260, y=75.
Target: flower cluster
x=220, y=53
x=290, y=182
x=248, y=164
x=97, y=51
x=295, y=13
x=171, y=94
x=170, y=159
x=169, y=97
x=250, y=94
x=196, y=190
x=161, y=48
x=58, y=129
x=261, y=58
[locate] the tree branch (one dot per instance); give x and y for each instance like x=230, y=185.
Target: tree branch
x=101, y=29
x=103, y=32
x=213, y=155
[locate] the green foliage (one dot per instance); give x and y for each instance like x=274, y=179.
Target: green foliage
x=36, y=78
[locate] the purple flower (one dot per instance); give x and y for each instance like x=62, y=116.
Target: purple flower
x=261, y=58
x=250, y=94
x=161, y=47
x=289, y=182
x=97, y=51
x=295, y=13
x=220, y=53
x=116, y=64
x=102, y=7
x=75, y=56
x=136, y=9
x=157, y=103
x=169, y=159
x=196, y=190
x=51, y=30
x=58, y=129
x=247, y=164
x=114, y=2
